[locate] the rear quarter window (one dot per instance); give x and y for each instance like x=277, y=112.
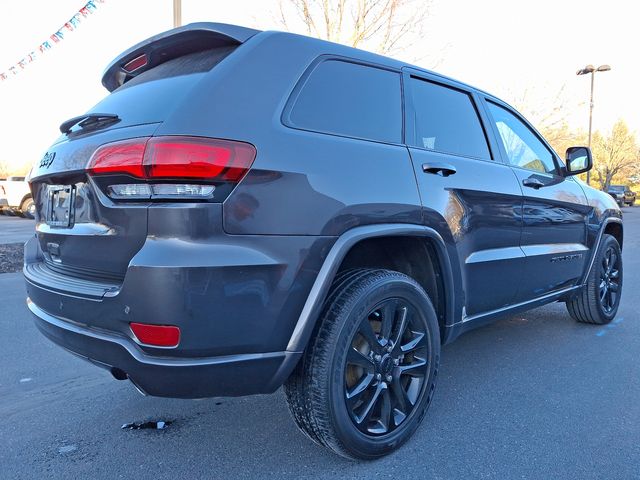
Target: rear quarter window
x=349, y=99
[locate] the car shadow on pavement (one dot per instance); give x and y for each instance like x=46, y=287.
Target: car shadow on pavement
x=511, y=396
x=493, y=383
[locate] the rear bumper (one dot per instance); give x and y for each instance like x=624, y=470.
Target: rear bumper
x=230, y=375
x=236, y=300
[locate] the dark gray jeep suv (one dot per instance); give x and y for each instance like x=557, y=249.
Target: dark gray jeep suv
x=247, y=210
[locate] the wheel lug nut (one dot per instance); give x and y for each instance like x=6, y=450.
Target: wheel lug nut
x=396, y=361
x=377, y=358
x=378, y=377
x=389, y=378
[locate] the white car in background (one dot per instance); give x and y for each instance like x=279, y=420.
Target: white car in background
x=15, y=197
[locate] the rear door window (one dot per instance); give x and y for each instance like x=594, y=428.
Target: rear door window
x=351, y=100
x=447, y=121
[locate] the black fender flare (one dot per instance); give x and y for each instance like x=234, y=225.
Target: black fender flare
x=596, y=245
x=312, y=307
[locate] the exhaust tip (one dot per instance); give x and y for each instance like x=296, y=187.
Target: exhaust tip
x=140, y=391
x=118, y=374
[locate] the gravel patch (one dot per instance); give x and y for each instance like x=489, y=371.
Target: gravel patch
x=11, y=257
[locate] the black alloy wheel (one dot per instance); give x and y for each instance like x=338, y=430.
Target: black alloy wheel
x=609, y=280
x=386, y=367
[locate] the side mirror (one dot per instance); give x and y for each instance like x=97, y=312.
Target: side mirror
x=578, y=160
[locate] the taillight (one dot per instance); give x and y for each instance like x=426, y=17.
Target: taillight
x=119, y=157
x=186, y=167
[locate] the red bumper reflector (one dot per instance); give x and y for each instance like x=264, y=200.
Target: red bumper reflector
x=156, y=335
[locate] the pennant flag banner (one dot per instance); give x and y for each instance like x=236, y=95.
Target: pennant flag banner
x=53, y=39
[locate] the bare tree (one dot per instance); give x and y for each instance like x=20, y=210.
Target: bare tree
x=549, y=113
x=9, y=169
x=382, y=26
x=634, y=172
x=542, y=109
x=4, y=169
x=616, y=154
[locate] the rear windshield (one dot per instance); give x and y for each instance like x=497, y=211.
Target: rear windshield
x=153, y=95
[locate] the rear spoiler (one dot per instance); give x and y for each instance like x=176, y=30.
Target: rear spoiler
x=180, y=41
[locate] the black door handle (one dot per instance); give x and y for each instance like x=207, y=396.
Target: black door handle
x=437, y=168
x=532, y=183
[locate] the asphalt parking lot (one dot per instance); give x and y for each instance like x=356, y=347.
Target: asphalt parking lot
x=15, y=229
x=532, y=396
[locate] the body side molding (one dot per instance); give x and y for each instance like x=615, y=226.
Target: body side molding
x=553, y=249
x=318, y=293
x=494, y=254
x=505, y=253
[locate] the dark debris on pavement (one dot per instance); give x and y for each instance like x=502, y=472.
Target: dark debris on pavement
x=11, y=255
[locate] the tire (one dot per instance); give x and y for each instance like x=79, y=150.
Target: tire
x=599, y=299
x=28, y=208
x=369, y=372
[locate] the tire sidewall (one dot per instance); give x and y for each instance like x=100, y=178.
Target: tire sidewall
x=24, y=208
x=372, y=446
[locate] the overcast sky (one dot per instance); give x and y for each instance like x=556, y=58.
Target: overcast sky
x=501, y=46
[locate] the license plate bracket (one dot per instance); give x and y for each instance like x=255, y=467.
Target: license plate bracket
x=60, y=206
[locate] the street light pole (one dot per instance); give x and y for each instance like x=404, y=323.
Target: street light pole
x=177, y=13
x=592, y=70
x=593, y=76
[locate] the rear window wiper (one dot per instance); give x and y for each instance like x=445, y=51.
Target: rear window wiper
x=89, y=121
